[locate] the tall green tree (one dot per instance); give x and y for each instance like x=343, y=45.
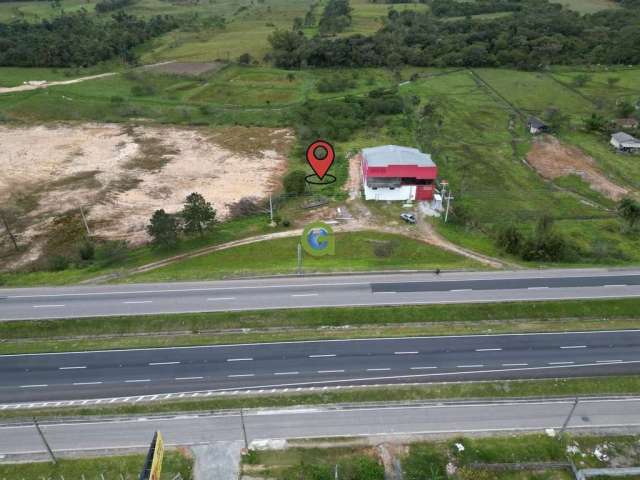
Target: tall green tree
x=163, y=228
x=336, y=16
x=629, y=211
x=198, y=214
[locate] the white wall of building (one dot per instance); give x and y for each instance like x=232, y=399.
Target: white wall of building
x=407, y=192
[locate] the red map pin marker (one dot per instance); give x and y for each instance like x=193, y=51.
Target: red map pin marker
x=320, y=165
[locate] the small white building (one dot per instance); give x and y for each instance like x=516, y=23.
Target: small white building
x=536, y=126
x=623, y=142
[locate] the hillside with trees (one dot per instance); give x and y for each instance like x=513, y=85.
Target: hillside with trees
x=77, y=39
x=539, y=34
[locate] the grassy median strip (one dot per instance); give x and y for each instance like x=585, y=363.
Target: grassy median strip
x=611, y=385
x=315, y=323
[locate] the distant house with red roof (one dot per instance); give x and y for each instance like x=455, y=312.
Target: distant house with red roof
x=391, y=172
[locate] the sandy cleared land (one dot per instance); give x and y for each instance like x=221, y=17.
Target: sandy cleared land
x=121, y=174
x=553, y=159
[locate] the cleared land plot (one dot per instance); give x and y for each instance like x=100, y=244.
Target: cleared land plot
x=121, y=175
x=553, y=159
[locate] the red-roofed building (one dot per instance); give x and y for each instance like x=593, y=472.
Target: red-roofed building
x=397, y=173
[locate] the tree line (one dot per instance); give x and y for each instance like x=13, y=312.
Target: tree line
x=539, y=34
x=77, y=39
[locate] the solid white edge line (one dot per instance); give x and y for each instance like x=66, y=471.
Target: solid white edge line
x=302, y=342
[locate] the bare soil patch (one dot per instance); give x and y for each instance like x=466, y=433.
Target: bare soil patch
x=121, y=174
x=553, y=159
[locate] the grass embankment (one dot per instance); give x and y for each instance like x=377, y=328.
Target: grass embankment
x=354, y=252
x=29, y=336
x=613, y=385
x=221, y=233
x=125, y=466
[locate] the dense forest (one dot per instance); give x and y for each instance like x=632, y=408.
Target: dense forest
x=76, y=39
x=539, y=34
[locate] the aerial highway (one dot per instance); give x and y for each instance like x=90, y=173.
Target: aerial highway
x=289, y=365
x=317, y=291
x=614, y=414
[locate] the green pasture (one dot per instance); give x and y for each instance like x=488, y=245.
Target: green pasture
x=354, y=251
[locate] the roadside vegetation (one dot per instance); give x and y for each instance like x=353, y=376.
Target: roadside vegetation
x=175, y=463
x=513, y=457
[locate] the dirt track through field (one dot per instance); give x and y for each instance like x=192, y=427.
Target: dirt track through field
x=34, y=86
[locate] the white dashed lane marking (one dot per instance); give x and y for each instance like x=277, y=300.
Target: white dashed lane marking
x=153, y=364
x=72, y=368
x=573, y=346
x=247, y=359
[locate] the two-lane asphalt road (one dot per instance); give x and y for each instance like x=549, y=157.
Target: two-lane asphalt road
x=325, y=291
x=607, y=414
x=110, y=374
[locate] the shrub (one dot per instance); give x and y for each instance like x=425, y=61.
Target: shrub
x=116, y=100
x=286, y=223
x=245, y=207
x=87, y=251
x=111, y=251
x=510, y=240
x=58, y=263
x=244, y=59
x=335, y=84
x=383, y=249
x=294, y=182
x=143, y=90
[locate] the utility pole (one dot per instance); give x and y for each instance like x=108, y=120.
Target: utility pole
x=6, y=226
x=299, y=258
x=446, y=214
x=566, y=422
x=271, y=209
x=84, y=220
x=244, y=430
x=44, y=440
